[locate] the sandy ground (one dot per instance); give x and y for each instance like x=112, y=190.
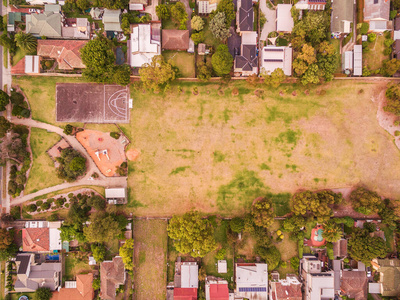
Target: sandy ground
x=98, y=141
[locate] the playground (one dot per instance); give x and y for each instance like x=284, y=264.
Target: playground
x=107, y=152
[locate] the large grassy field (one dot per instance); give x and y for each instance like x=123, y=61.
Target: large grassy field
x=217, y=153
x=150, y=259
x=43, y=172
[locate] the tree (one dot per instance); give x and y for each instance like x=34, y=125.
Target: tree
x=332, y=232
x=68, y=129
x=388, y=215
x=197, y=37
x=42, y=293
x=4, y=100
x=122, y=75
x=5, y=126
x=294, y=223
x=72, y=232
x=156, y=74
x=227, y=7
x=102, y=228
x=313, y=27
x=218, y=27
x=98, y=251
x=97, y=202
x=271, y=255
x=364, y=248
x=204, y=70
x=222, y=61
x=237, y=224
x=263, y=212
x=365, y=201
x=197, y=23
x=390, y=67
x=178, y=13
x=327, y=60
x=26, y=41
x=6, y=239
x=72, y=165
x=192, y=234
x=126, y=252
x=114, y=4
x=275, y=78
x=83, y=4
x=162, y=11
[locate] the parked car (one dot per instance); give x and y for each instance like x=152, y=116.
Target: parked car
x=369, y=273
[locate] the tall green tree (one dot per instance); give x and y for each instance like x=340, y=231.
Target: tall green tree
x=26, y=41
x=332, y=232
x=4, y=100
x=162, y=11
x=178, y=13
x=222, y=61
x=263, y=212
x=5, y=126
x=364, y=248
x=390, y=67
x=126, y=252
x=102, y=228
x=197, y=23
x=227, y=7
x=313, y=27
x=365, y=201
x=270, y=255
x=192, y=234
x=218, y=27
x=275, y=78
x=98, y=251
x=157, y=74
x=236, y=224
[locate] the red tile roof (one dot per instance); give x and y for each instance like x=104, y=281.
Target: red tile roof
x=83, y=290
x=66, y=52
x=173, y=39
x=35, y=239
x=286, y=292
x=185, y=294
x=219, y=292
x=19, y=68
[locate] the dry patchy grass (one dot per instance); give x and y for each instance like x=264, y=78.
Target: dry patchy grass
x=374, y=58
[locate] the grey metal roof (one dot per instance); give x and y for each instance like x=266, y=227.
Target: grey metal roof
x=342, y=10
x=357, y=71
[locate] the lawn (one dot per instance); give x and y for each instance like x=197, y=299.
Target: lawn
x=102, y=127
x=19, y=54
x=183, y=60
x=374, y=57
x=209, y=37
x=150, y=259
x=216, y=153
x=336, y=44
x=43, y=172
x=75, y=264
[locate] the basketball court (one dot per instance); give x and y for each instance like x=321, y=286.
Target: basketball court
x=92, y=103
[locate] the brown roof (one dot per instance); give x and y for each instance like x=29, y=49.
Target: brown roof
x=83, y=290
x=35, y=239
x=354, y=284
x=173, y=39
x=112, y=274
x=66, y=52
x=340, y=248
x=287, y=292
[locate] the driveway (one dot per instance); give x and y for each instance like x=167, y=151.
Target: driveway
x=270, y=15
x=234, y=41
x=189, y=12
x=151, y=9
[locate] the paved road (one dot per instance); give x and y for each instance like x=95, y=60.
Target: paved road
x=91, y=166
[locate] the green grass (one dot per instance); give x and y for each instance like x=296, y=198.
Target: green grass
x=183, y=60
x=15, y=296
x=74, y=265
x=374, y=57
x=209, y=38
x=336, y=44
x=43, y=172
x=19, y=54
x=389, y=238
x=5, y=57
x=169, y=24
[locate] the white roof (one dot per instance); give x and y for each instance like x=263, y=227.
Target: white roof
x=116, y=193
x=136, y=6
x=396, y=35
x=92, y=261
x=70, y=284
x=222, y=266
x=320, y=287
x=143, y=48
x=277, y=57
x=357, y=61
x=251, y=275
x=347, y=60
x=249, y=38
x=374, y=288
x=284, y=18
x=31, y=64
x=41, y=2
x=378, y=25
x=55, y=239
x=189, y=275
x=204, y=7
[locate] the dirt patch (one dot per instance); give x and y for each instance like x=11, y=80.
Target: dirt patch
x=55, y=151
x=107, y=152
x=133, y=154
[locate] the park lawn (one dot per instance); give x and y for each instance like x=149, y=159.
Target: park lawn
x=102, y=127
x=183, y=60
x=374, y=57
x=62, y=214
x=43, y=172
x=216, y=153
x=74, y=265
x=41, y=94
x=150, y=259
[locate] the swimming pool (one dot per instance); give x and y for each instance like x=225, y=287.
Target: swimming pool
x=318, y=234
x=54, y=257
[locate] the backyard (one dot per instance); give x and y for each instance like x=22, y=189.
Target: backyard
x=76, y=263
x=183, y=60
x=374, y=57
x=150, y=259
x=43, y=172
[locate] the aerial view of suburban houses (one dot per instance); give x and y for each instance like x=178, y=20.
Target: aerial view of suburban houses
x=200, y=149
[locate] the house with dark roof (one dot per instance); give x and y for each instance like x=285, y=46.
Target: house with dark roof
x=32, y=275
x=244, y=15
x=81, y=289
x=285, y=289
x=216, y=288
x=173, y=39
x=66, y=53
x=340, y=248
x=354, y=284
x=377, y=12
x=112, y=275
x=342, y=16
x=246, y=63
x=389, y=278
x=41, y=236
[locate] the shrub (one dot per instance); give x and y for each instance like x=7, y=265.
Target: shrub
x=16, y=212
x=52, y=218
x=393, y=14
x=115, y=135
x=17, y=98
x=371, y=37
x=45, y=206
x=364, y=28
x=388, y=42
x=387, y=51
x=68, y=129
x=31, y=208
x=295, y=262
x=221, y=254
x=70, y=195
x=396, y=133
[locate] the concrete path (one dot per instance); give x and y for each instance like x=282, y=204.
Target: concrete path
x=91, y=166
x=189, y=12
x=151, y=9
x=270, y=15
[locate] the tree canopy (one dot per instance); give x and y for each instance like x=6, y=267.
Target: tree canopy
x=275, y=78
x=218, y=26
x=197, y=23
x=237, y=224
x=126, y=252
x=179, y=14
x=390, y=67
x=263, y=212
x=103, y=227
x=192, y=234
x=4, y=100
x=222, y=61
x=72, y=165
x=42, y=293
x=98, y=251
x=393, y=99
x=227, y=7
x=365, y=201
x=364, y=248
x=332, y=232
x=271, y=255
x=7, y=246
x=157, y=74
x=313, y=27
x=162, y=11
x=26, y=41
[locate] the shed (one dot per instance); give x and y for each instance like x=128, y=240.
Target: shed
x=284, y=20
x=31, y=64
x=201, y=49
x=374, y=288
x=116, y=195
x=222, y=267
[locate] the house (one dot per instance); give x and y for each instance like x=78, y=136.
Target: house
x=41, y=236
x=32, y=275
x=96, y=13
x=340, y=248
x=41, y=2
x=352, y=62
x=311, y=5
x=252, y=281
x=201, y=49
x=112, y=275
x=216, y=288
x=377, y=12
x=205, y=7
x=80, y=289
x=319, y=284
x=11, y=19
x=66, y=53
x=273, y=57
x=244, y=15
x=116, y=195
x=354, y=284
x=396, y=49
x=47, y=24
x=284, y=20
x=342, y=16
x=76, y=28
x=137, y=4
x=173, y=39
x=186, y=280
x=246, y=64
x=283, y=289
x=112, y=20
x=145, y=43
x=389, y=278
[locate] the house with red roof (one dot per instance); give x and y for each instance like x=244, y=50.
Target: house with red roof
x=216, y=288
x=112, y=275
x=81, y=289
x=186, y=280
x=41, y=236
x=285, y=289
x=185, y=293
